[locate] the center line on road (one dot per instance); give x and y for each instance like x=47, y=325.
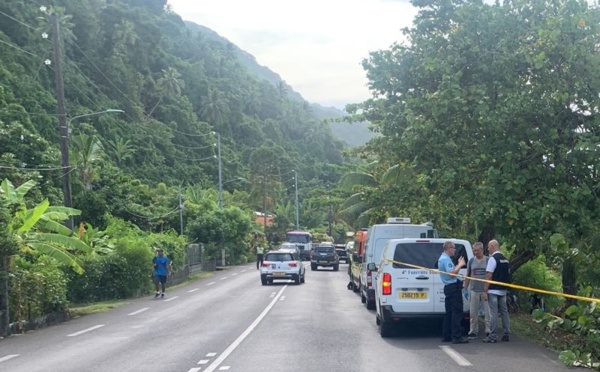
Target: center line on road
x=455, y=355
x=234, y=274
x=193, y=290
x=8, y=357
x=194, y=369
x=223, y=278
x=139, y=311
x=85, y=330
x=245, y=334
x=171, y=298
x=211, y=283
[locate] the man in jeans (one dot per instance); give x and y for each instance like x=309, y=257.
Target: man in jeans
x=498, y=271
x=476, y=268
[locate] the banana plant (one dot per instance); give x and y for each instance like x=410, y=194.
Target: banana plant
x=39, y=229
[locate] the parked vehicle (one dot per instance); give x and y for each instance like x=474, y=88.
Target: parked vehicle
x=377, y=236
x=290, y=248
x=303, y=240
x=403, y=292
x=356, y=259
x=342, y=253
x=324, y=255
x=279, y=265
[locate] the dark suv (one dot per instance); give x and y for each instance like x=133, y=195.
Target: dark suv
x=342, y=253
x=324, y=255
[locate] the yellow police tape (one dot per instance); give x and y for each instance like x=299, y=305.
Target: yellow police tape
x=515, y=286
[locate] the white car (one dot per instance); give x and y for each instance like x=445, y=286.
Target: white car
x=406, y=293
x=278, y=265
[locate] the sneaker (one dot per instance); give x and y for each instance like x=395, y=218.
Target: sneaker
x=460, y=341
x=471, y=336
x=162, y=295
x=505, y=338
x=489, y=340
x=156, y=295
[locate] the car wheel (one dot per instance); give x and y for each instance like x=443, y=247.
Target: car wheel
x=370, y=305
x=336, y=267
x=297, y=279
x=313, y=267
x=363, y=299
x=386, y=329
x=263, y=279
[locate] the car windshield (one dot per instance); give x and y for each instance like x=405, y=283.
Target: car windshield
x=292, y=238
x=279, y=257
x=423, y=254
x=324, y=249
x=341, y=251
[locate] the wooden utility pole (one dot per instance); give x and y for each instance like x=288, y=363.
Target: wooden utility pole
x=62, y=117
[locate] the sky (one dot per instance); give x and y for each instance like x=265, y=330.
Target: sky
x=316, y=46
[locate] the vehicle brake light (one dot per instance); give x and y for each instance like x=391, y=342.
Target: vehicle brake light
x=292, y=264
x=369, y=279
x=386, y=284
x=266, y=264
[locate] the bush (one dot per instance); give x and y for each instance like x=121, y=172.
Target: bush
x=536, y=274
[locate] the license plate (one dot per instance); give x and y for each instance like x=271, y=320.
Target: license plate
x=323, y=262
x=413, y=295
x=278, y=274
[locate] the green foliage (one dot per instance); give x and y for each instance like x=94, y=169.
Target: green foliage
x=536, y=274
x=36, y=288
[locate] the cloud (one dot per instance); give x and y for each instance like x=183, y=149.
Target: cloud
x=316, y=46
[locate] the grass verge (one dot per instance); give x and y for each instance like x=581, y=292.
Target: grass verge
x=524, y=326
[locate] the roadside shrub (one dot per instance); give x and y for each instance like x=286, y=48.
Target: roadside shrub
x=37, y=288
x=536, y=274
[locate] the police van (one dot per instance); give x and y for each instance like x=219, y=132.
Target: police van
x=377, y=236
x=405, y=292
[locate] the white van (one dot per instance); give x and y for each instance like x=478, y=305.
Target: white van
x=405, y=292
x=377, y=236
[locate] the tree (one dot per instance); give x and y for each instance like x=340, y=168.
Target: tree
x=493, y=108
x=8, y=248
x=88, y=150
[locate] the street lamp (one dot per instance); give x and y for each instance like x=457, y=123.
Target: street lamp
x=220, y=201
x=297, y=211
x=64, y=150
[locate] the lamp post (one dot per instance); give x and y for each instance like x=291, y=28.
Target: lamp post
x=66, y=167
x=220, y=201
x=297, y=210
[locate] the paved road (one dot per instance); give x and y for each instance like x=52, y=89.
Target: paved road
x=230, y=322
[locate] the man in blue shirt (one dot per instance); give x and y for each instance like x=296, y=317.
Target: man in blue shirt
x=162, y=268
x=451, y=330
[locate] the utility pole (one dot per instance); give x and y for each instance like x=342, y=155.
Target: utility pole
x=180, y=213
x=220, y=201
x=62, y=117
x=297, y=210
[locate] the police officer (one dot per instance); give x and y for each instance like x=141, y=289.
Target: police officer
x=260, y=251
x=451, y=329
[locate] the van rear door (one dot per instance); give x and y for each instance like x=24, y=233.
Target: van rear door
x=414, y=289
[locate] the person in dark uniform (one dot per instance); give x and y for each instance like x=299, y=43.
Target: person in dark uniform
x=451, y=330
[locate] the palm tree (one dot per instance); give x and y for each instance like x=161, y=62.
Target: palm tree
x=168, y=85
x=121, y=149
x=214, y=107
x=88, y=149
x=124, y=37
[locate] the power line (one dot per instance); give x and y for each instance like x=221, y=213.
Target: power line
x=152, y=218
x=31, y=169
x=16, y=20
x=19, y=49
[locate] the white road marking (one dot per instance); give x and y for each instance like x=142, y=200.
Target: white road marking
x=211, y=283
x=193, y=290
x=243, y=271
x=234, y=274
x=86, y=330
x=282, y=298
x=245, y=334
x=455, y=355
x=8, y=357
x=194, y=369
x=171, y=298
x=137, y=326
x=224, y=368
x=223, y=278
x=139, y=311
x=211, y=354
x=203, y=361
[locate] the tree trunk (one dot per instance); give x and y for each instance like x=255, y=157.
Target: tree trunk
x=520, y=260
x=569, y=280
x=487, y=233
x=4, y=316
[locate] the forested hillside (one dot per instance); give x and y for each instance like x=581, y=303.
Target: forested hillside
x=179, y=91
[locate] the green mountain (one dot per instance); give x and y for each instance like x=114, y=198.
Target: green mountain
x=353, y=134
x=180, y=91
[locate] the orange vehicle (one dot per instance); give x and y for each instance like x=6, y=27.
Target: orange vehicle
x=356, y=259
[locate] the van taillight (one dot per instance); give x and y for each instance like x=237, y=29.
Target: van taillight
x=369, y=279
x=386, y=284
x=292, y=264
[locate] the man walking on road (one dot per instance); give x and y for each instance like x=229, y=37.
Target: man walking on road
x=260, y=250
x=497, y=270
x=162, y=269
x=476, y=268
x=451, y=330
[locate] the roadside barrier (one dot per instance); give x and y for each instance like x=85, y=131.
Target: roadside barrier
x=510, y=285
